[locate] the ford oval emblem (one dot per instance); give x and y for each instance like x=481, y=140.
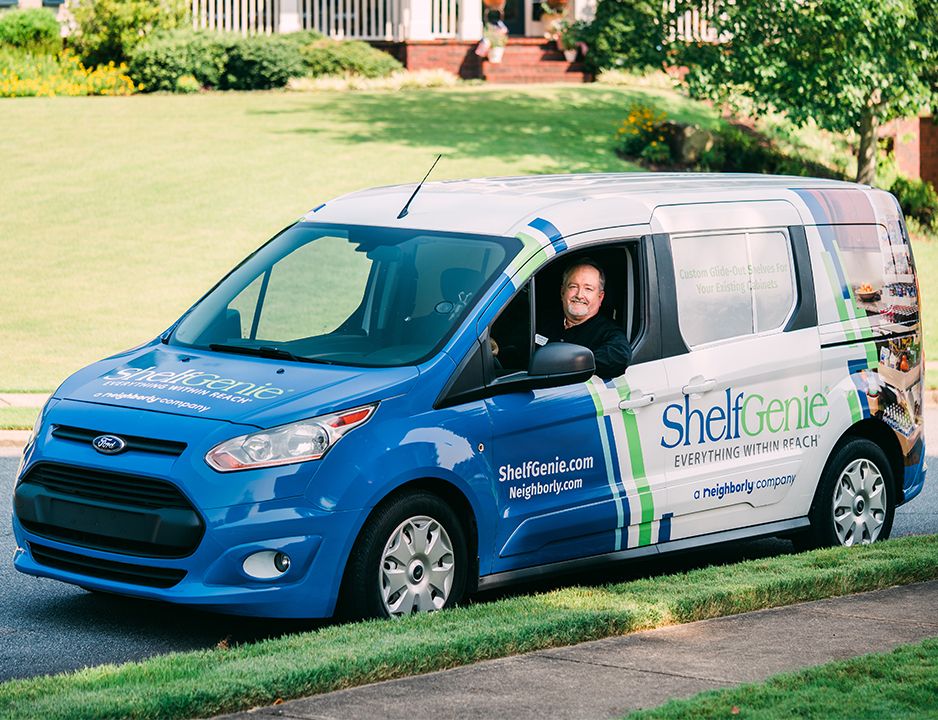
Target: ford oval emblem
x=109, y=444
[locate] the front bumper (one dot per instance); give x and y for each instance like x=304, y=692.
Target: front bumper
x=213, y=577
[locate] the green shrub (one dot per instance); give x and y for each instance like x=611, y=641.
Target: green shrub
x=109, y=30
x=918, y=200
x=349, y=57
x=35, y=30
x=23, y=74
x=260, y=63
x=625, y=34
x=160, y=61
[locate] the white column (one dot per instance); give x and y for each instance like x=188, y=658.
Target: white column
x=289, y=16
x=417, y=20
x=470, y=20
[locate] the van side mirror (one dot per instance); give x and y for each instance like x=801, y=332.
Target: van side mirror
x=561, y=364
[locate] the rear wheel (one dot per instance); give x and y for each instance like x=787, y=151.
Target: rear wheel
x=855, y=501
x=410, y=558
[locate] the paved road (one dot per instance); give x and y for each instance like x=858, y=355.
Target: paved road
x=48, y=627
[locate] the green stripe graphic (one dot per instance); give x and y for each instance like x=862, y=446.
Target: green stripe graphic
x=854, y=402
x=637, y=461
x=533, y=250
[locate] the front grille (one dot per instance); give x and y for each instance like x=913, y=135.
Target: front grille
x=110, y=511
x=134, y=442
x=133, y=490
x=106, y=569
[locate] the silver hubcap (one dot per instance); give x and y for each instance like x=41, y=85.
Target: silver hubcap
x=859, y=503
x=417, y=567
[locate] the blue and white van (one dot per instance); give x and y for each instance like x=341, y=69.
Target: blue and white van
x=366, y=416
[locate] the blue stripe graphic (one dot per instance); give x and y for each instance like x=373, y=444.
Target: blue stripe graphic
x=664, y=528
x=822, y=217
x=552, y=233
x=614, y=454
x=854, y=367
x=318, y=208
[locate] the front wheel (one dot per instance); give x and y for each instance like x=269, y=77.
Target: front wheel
x=410, y=558
x=855, y=501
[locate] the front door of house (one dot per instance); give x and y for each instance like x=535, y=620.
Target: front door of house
x=513, y=16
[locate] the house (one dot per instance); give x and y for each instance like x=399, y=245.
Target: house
x=422, y=34
x=915, y=143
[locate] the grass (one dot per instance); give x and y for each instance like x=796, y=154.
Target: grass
x=18, y=418
x=156, y=197
x=204, y=683
x=900, y=684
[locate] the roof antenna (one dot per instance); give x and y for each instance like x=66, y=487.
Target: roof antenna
x=403, y=213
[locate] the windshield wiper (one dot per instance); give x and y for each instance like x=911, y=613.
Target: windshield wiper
x=262, y=351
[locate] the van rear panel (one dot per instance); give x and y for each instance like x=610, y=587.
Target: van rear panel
x=868, y=318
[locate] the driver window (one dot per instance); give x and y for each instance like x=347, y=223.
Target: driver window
x=511, y=337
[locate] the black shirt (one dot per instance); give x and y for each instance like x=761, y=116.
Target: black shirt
x=607, y=340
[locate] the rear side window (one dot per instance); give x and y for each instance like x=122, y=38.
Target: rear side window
x=732, y=284
x=876, y=275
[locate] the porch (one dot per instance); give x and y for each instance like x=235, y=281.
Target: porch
x=375, y=20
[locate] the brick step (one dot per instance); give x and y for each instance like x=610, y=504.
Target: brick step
x=534, y=79
x=538, y=54
x=561, y=66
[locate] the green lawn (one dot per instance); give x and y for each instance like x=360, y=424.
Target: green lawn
x=900, y=684
x=17, y=418
x=123, y=211
x=205, y=683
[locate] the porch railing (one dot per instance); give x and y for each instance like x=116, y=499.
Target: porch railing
x=349, y=19
x=248, y=17
x=353, y=19
x=695, y=24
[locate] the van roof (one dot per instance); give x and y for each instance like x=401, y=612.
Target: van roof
x=502, y=205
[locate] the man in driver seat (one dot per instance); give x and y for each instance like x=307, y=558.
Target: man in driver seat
x=581, y=295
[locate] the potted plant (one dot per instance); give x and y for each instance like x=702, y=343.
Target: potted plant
x=570, y=39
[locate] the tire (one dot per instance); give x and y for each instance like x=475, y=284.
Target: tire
x=410, y=558
x=855, y=501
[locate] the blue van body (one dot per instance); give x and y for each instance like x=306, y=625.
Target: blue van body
x=192, y=528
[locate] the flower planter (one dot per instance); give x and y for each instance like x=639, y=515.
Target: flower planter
x=569, y=55
x=496, y=54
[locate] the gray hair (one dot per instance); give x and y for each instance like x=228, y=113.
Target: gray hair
x=585, y=262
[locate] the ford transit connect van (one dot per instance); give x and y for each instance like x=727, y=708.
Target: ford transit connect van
x=368, y=415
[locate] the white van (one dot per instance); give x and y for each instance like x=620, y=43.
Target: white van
x=381, y=411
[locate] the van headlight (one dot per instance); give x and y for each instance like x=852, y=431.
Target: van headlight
x=34, y=433
x=287, y=444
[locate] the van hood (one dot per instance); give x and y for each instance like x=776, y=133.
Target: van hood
x=234, y=388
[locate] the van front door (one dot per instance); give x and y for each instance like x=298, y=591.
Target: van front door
x=574, y=475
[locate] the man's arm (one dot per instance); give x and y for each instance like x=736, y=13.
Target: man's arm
x=612, y=353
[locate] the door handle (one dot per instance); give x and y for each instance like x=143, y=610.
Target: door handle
x=699, y=388
x=640, y=401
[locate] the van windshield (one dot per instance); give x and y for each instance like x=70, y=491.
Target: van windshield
x=348, y=295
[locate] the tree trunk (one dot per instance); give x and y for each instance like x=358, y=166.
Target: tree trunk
x=866, y=158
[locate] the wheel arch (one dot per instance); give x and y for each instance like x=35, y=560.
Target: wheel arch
x=453, y=496
x=881, y=435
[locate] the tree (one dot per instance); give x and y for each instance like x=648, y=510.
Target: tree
x=846, y=64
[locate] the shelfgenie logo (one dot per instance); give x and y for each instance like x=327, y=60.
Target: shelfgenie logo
x=151, y=377
x=741, y=414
